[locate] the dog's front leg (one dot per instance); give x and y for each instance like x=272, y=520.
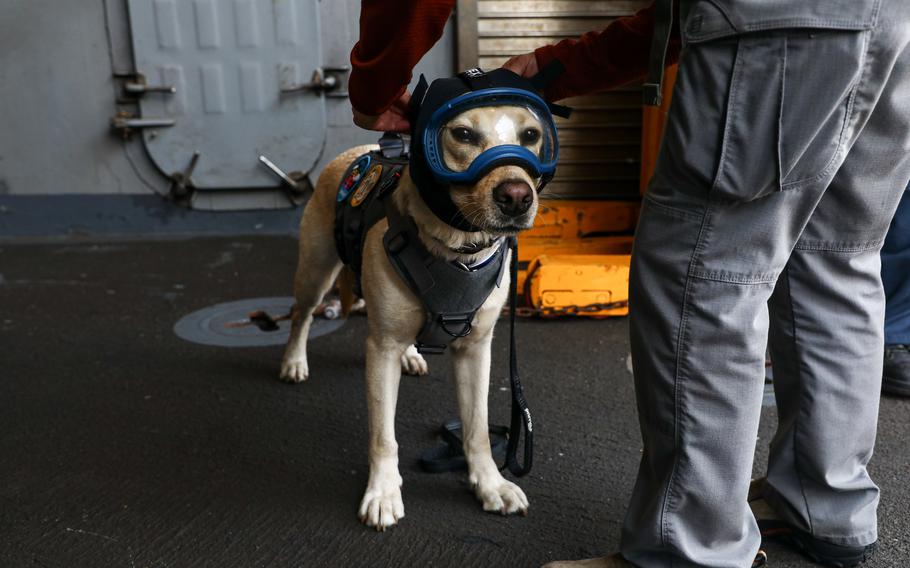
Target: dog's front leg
x=381, y=506
x=472, y=375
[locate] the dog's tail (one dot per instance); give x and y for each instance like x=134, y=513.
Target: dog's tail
x=346, y=290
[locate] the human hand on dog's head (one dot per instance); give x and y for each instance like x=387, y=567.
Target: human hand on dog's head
x=395, y=119
x=524, y=65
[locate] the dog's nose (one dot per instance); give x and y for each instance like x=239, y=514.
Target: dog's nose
x=513, y=197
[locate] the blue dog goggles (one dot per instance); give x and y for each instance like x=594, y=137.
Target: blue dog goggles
x=477, y=131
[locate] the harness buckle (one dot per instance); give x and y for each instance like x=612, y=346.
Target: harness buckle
x=424, y=349
x=392, y=145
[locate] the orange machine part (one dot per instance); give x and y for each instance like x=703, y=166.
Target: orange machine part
x=559, y=281
x=596, y=233
x=589, y=227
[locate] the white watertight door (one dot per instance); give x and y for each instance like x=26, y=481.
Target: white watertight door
x=239, y=69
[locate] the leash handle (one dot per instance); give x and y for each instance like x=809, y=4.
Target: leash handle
x=521, y=416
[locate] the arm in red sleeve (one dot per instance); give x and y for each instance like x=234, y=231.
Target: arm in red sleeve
x=394, y=35
x=603, y=60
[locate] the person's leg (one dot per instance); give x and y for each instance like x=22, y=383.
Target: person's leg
x=712, y=241
x=896, y=277
x=827, y=317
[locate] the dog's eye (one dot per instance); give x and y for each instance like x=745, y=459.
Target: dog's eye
x=530, y=136
x=465, y=135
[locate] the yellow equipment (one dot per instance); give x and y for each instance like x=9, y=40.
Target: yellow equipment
x=578, y=252
x=584, y=285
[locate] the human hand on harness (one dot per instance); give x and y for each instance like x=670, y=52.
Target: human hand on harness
x=395, y=119
x=524, y=65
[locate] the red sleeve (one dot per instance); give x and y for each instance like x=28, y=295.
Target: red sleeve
x=394, y=35
x=603, y=60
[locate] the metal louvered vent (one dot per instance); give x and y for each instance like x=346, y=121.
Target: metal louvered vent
x=600, y=146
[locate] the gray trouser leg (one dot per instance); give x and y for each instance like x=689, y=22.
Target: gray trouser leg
x=827, y=309
x=756, y=196
x=827, y=332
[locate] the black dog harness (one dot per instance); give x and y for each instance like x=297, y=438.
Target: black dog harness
x=451, y=292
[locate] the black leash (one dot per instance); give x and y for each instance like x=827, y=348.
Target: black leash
x=521, y=415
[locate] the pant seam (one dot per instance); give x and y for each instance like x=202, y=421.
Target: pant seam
x=831, y=247
x=866, y=538
x=734, y=277
x=802, y=394
x=666, y=532
x=670, y=211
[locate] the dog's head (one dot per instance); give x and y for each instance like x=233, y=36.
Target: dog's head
x=483, y=145
x=504, y=200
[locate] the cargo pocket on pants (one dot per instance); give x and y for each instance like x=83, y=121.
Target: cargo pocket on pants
x=749, y=164
x=788, y=107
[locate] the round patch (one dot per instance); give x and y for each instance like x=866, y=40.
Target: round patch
x=229, y=325
x=367, y=184
x=353, y=177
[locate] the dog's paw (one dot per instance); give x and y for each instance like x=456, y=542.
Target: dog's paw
x=294, y=371
x=413, y=363
x=381, y=507
x=500, y=495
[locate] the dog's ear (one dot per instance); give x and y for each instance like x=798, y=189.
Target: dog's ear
x=420, y=92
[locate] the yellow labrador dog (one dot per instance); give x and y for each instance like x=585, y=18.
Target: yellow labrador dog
x=503, y=202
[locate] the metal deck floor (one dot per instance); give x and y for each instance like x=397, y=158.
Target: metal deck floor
x=122, y=445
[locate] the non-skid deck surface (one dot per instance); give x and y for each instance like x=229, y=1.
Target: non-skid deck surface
x=124, y=446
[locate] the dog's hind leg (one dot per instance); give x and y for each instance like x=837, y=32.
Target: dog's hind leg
x=472, y=377
x=317, y=268
x=382, y=506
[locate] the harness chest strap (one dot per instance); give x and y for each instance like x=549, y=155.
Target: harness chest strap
x=450, y=294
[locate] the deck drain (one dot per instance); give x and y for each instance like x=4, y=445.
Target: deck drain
x=218, y=324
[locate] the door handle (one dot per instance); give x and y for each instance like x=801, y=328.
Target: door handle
x=324, y=80
x=320, y=82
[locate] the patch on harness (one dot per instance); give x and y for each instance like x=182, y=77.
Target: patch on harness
x=353, y=176
x=366, y=185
